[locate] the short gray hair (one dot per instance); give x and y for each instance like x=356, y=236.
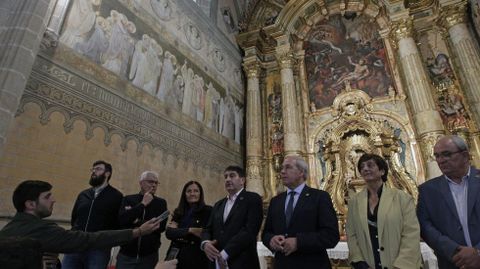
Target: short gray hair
x=301, y=165
x=145, y=174
x=459, y=142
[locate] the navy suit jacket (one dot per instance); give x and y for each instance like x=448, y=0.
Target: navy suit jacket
x=238, y=234
x=314, y=223
x=439, y=222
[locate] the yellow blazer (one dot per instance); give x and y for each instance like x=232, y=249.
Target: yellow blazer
x=398, y=230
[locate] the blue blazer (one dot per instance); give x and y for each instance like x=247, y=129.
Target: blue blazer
x=439, y=222
x=314, y=224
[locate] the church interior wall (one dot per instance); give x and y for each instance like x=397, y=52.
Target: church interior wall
x=96, y=94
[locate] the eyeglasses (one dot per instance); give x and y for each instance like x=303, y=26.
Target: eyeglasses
x=446, y=154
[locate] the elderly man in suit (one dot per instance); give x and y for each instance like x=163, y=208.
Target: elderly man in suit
x=301, y=222
x=449, y=207
x=230, y=238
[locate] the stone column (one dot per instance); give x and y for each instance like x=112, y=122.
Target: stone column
x=254, y=126
x=466, y=53
x=426, y=118
x=23, y=25
x=291, y=126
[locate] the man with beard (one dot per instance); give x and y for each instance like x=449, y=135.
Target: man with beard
x=230, y=238
x=34, y=201
x=136, y=209
x=96, y=209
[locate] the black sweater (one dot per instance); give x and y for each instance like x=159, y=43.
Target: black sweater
x=92, y=214
x=133, y=214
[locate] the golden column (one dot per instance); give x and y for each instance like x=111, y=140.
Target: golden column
x=254, y=126
x=291, y=126
x=427, y=119
x=453, y=18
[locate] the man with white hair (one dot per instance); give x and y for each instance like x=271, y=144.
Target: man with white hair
x=301, y=222
x=135, y=210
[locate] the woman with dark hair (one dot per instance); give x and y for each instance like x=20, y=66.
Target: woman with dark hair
x=189, y=219
x=382, y=226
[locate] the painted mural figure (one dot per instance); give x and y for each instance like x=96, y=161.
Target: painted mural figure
x=440, y=70
x=193, y=36
x=212, y=98
x=139, y=64
x=162, y=8
x=198, y=102
x=154, y=63
x=219, y=60
x=238, y=123
x=175, y=95
x=167, y=77
x=360, y=72
x=187, y=74
x=228, y=19
x=453, y=111
x=81, y=20
x=120, y=45
x=97, y=44
x=227, y=117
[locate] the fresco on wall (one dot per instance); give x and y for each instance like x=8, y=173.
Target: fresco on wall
x=341, y=51
x=230, y=24
x=114, y=42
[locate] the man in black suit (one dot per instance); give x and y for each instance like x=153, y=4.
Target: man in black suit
x=230, y=238
x=301, y=222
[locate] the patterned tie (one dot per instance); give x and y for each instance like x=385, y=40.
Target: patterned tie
x=289, y=210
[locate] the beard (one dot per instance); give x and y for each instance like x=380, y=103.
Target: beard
x=96, y=181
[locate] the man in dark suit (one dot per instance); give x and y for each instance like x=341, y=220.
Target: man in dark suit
x=449, y=207
x=230, y=238
x=301, y=222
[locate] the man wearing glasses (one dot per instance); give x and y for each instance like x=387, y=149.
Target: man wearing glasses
x=449, y=207
x=96, y=209
x=136, y=209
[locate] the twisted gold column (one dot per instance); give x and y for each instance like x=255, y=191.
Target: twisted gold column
x=427, y=119
x=291, y=127
x=453, y=19
x=254, y=126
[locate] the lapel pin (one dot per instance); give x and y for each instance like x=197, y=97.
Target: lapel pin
x=241, y=198
x=307, y=194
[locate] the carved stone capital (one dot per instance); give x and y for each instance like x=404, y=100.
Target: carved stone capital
x=49, y=40
x=402, y=29
x=453, y=15
x=286, y=60
x=427, y=142
x=252, y=69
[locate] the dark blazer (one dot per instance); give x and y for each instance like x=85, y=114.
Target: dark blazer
x=238, y=235
x=314, y=224
x=190, y=255
x=439, y=222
